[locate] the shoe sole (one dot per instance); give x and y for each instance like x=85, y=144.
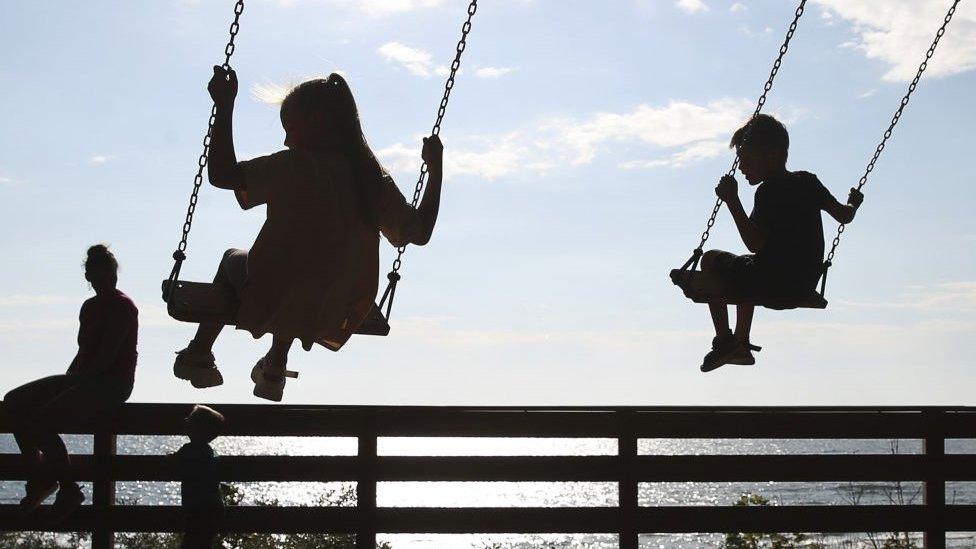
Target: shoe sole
x=200, y=378
x=722, y=361
x=262, y=388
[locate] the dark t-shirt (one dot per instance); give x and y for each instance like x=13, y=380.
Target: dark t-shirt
x=200, y=488
x=100, y=315
x=788, y=209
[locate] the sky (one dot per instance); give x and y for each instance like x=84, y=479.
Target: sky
x=582, y=145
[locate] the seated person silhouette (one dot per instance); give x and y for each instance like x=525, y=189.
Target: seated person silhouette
x=312, y=273
x=784, y=232
x=98, y=381
x=197, y=462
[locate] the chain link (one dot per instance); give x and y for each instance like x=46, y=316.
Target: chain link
x=180, y=254
x=394, y=275
x=891, y=127
x=759, y=105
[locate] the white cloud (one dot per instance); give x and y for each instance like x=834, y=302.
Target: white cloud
x=100, y=159
x=677, y=134
x=27, y=299
x=373, y=8
x=738, y=6
x=5, y=180
x=487, y=157
x=867, y=94
x=414, y=60
x=691, y=6
x=493, y=72
x=380, y=8
x=696, y=152
x=898, y=32
x=947, y=297
x=677, y=124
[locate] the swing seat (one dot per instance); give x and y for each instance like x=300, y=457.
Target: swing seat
x=704, y=288
x=198, y=302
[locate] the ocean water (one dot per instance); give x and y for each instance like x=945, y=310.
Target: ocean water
x=551, y=494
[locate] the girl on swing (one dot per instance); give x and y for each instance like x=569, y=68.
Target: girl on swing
x=312, y=272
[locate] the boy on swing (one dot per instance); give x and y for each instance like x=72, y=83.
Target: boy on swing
x=784, y=234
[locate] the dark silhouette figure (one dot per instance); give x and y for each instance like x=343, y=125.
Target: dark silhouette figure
x=203, y=506
x=784, y=232
x=98, y=381
x=312, y=272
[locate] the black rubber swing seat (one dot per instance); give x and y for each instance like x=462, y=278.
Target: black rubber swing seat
x=198, y=302
x=703, y=288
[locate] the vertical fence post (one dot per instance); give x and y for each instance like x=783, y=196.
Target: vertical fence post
x=627, y=485
x=103, y=490
x=366, y=483
x=934, y=485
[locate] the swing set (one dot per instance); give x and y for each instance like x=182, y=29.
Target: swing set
x=207, y=302
x=198, y=302
x=701, y=287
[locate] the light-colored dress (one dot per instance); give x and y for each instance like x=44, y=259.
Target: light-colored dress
x=313, y=269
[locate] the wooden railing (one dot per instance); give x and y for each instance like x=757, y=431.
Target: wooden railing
x=627, y=425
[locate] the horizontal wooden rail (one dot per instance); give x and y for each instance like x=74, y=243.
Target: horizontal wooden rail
x=522, y=520
x=787, y=423
x=626, y=469
x=718, y=468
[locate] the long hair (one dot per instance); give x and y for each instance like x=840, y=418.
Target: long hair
x=333, y=97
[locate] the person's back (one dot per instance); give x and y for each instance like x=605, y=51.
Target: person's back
x=788, y=208
x=109, y=310
x=198, y=467
x=312, y=272
x=200, y=487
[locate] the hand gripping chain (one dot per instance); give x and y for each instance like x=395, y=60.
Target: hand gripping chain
x=180, y=254
x=887, y=134
x=692, y=262
x=394, y=275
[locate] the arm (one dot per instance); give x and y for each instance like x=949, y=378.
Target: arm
x=222, y=168
x=752, y=235
x=433, y=155
x=844, y=213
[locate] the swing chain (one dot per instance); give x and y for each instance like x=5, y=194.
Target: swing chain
x=887, y=134
x=696, y=255
x=394, y=274
x=180, y=254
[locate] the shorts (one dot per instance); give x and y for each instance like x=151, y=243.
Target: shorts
x=745, y=278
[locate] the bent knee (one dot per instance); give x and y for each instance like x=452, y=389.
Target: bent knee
x=708, y=260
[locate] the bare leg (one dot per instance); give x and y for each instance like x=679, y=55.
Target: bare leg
x=720, y=317
x=205, y=337
x=278, y=357
x=232, y=272
x=56, y=457
x=743, y=321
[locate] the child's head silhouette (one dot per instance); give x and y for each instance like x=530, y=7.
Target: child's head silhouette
x=101, y=268
x=763, y=145
x=321, y=115
x=204, y=424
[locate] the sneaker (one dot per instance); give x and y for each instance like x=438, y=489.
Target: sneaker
x=723, y=347
x=37, y=492
x=68, y=500
x=743, y=354
x=269, y=387
x=198, y=367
